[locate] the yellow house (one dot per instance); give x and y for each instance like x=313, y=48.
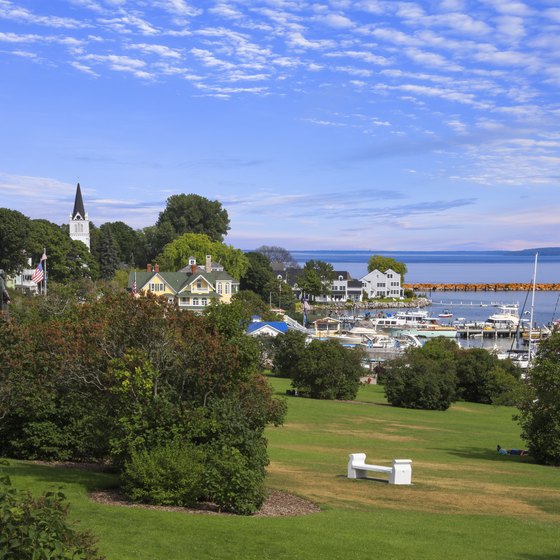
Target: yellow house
x=192, y=288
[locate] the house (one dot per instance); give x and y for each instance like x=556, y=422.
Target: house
x=386, y=284
x=192, y=288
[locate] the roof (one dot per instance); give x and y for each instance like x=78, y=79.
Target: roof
x=78, y=205
x=177, y=281
x=343, y=273
x=279, y=326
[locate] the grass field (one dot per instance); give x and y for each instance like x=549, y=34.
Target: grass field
x=466, y=502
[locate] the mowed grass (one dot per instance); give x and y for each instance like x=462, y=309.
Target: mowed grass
x=466, y=502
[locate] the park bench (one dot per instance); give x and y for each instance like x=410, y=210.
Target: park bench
x=399, y=473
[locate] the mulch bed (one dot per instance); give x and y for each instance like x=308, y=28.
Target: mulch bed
x=277, y=504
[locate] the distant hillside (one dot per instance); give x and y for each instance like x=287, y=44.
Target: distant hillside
x=549, y=251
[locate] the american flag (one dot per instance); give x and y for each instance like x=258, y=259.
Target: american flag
x=38, y=275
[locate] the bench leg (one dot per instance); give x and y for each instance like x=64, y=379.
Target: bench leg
x=402, y=472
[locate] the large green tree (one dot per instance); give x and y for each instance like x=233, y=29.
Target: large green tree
x=108, y=253
x=316, y=278
x=192, y=213
x=539, y=407
x=14, y=229
x=175, y=255
x=258, y=275
x=130, y=243
x=381, y=263
x=328, y=370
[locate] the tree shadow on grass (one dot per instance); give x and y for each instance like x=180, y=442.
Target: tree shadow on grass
x=535, y=556
x=60, y=475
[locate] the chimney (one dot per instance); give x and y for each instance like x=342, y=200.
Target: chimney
x=156, y=268
x=193, y=268
x=149, y=267
x=208, y=263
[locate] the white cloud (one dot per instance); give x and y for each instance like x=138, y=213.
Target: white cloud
x=160, y=50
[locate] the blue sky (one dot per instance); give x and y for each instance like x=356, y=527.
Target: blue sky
x=377, y=125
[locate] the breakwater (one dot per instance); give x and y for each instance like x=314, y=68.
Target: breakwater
x=502, y=287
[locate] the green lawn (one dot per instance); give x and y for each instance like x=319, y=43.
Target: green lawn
x=466, y=502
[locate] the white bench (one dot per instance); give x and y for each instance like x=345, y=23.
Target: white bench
x=399, y=473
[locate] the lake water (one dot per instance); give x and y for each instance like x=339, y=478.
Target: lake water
x=463, y=267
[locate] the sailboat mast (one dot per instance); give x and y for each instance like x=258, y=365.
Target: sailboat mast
x=533, y=305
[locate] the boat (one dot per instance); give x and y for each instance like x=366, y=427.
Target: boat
x=445, y=314
x=506, y=318
x=414, y=322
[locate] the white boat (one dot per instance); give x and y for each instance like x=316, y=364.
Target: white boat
x=445, y=314
x=506, y=318
x=417, y=323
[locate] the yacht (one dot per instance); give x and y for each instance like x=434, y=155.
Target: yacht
x=506, y=318
x=415, y=322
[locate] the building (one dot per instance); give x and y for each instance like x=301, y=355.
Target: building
x=193, y=287
x=79, y=221
x=377, y=284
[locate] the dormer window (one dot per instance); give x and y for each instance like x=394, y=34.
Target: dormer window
x=199, y=285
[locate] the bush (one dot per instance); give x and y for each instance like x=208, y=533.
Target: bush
x=170, y=474
x=232, y=483
x=483, y=378
x=423, y=378
x=288, y=350
x=540, y=406
x=38, y=529
x=328, y=370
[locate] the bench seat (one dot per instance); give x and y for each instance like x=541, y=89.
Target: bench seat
x=399, y=473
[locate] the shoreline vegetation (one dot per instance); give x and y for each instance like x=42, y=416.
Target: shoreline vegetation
x=499, y=287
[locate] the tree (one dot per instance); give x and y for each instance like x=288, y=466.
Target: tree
x=176, y=254
x=316, y=278
x=258, y=275
x=278, y=255
x=483, y=378
x=192, y=213
x=108, y=254
x=539, y=407
x=279, y=293
x=253, y=304
x=423, y=378
x=67, y=259
x=131, y=249
x=288, y=350
x=14, y=228
x=328, y=370
x=381, y=263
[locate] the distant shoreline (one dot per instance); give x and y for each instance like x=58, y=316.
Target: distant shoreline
x=476, y=287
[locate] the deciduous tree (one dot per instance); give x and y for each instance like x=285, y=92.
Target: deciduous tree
x=381, y=263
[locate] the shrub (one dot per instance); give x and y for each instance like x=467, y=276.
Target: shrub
x=328, y=370
x=423, y=378
x=38, y=528
x=540, y=406
x=288, y=350
x=170, y=474
x=232, y=483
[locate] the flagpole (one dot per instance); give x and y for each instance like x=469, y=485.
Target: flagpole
x=45, y=268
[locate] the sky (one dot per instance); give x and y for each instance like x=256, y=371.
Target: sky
x=372, y=124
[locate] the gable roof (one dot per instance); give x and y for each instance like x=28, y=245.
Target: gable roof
x=177, y=281
x=279, y=326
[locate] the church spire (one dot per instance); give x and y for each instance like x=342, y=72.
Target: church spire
x=78, y=205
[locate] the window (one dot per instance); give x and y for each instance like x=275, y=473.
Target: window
x=199, y=284
x=227, y=287
x=195, y=301
x=219, y=285
x=185, y=300
x=204, y=302
x=380, y=284
x=156, y=287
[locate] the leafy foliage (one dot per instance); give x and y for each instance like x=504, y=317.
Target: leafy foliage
x=278, y=255
x=192, y=213
x=176, y=254
x=423, y=378
x=539, y=408
x=38, y=528
x=288, y=351
x=258, y=275
x=113, y=376
x=316, y=278
x=14, y=228
x=328, y=370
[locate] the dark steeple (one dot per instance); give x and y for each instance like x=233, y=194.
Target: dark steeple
x=78, y=205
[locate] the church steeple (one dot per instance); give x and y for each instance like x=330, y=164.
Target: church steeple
x=79, y=220
x=79, y=212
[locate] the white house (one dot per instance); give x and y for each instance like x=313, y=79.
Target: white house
x=382, y=284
